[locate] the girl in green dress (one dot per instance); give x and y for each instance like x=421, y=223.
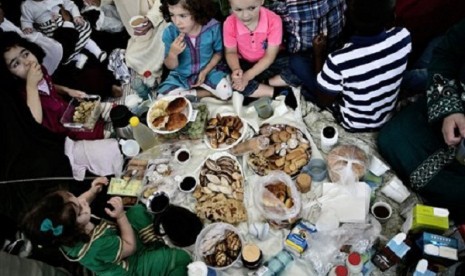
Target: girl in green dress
x=127, y=247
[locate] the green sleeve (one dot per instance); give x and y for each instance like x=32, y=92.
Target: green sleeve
x=445, y=91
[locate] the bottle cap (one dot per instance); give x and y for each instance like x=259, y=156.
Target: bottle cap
x=354, y=258
x=134, y=121
x=341, y=270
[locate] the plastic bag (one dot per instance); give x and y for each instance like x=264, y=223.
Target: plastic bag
x=346, y=164
x=324, y=250
x=277, y=199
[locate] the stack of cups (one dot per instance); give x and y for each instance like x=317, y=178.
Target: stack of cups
x=329, y=136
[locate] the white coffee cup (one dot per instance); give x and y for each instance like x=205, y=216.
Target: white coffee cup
x=182, y=155
x=382, y=211
x=137, y=21
x=130, y=147
x=377, y=167
x=396, y=190
x=187, y=183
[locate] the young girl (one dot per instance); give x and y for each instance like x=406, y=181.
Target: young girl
x=49, y=16
x=252, y=37
x=21, y=61
x=127, y=247
x=193, y=49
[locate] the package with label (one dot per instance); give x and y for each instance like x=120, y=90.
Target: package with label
x=430, y=218
x=438, y=248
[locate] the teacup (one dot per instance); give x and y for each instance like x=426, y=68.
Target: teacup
x=137, y=21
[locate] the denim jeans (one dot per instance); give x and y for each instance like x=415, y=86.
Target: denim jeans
x=301, y=64
x=414, y=80
x=280, y=66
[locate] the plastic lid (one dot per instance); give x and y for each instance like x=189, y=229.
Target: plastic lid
x=341, y=270
x=134, y=121
x=354, y=258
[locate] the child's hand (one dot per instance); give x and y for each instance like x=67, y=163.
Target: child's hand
x=236, y=78
x=200, y=78
x=76, y=93
x=98, y=183
x=34, y=75
x=319, y=45
x=78, y=20
x=178, y=45
x=28, y=30
x=118, y=210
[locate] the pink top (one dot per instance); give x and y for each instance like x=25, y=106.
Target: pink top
x=251, y=45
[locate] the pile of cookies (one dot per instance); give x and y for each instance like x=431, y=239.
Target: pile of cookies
x=83, y=111
x=288, y=151
x=221, y=191
x=225, y=251
x=168, y=115
x=223, y=130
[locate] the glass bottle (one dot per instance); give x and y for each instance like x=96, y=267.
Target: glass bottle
x=143, y=134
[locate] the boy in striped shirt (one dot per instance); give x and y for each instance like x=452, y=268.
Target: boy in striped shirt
x=363, y=78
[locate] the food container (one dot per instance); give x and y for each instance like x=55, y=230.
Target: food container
x=159, y=109
x=225, y=131
x=82, y=114
x=194, y=130
x=219, y=245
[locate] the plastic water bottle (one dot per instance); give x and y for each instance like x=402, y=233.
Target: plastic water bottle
x=144, y=136
x=276, y=265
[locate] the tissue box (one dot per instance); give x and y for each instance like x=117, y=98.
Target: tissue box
x=438, y=248
x=430, y=218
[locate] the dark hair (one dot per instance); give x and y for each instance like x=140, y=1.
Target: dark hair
x=179, y=224
x=60, y=212
x=10, y=40
x=369, y=17
x=201, y=10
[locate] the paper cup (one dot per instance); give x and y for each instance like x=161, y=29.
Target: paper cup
x=377, y=167
x=396, y=190
x=382, y=211
x=182, y=155
x=187, y=184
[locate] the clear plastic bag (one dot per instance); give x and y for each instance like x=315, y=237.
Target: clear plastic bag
x=346, y=164
x=277, y=199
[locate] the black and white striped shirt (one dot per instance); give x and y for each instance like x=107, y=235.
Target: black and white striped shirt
x=367, y=72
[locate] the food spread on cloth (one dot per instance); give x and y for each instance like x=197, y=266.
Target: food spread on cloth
x=221, y=191
x=289, y=151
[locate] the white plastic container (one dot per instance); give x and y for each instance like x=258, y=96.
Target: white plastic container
x=143, y=135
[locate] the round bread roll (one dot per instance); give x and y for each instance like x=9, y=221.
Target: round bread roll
x=160, y=121
x=176, y=121
x=304, y=182
x=339, y=157
x=176, y=106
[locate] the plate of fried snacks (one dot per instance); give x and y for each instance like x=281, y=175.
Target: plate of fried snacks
x=289, y=151
x=169, y=114
x=220, y=194
x=224, y=131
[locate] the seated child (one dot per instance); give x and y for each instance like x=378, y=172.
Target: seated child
x=21, y=64
x=48, y=16
x=363, y=78
x=252, y=38
x=127, y=247
x=193, y=49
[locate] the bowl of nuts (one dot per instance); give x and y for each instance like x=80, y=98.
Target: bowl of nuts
x=219, y=245
x=82, y=114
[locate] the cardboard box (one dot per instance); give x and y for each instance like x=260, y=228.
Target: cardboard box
x=439, y=249
x=430, y=218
